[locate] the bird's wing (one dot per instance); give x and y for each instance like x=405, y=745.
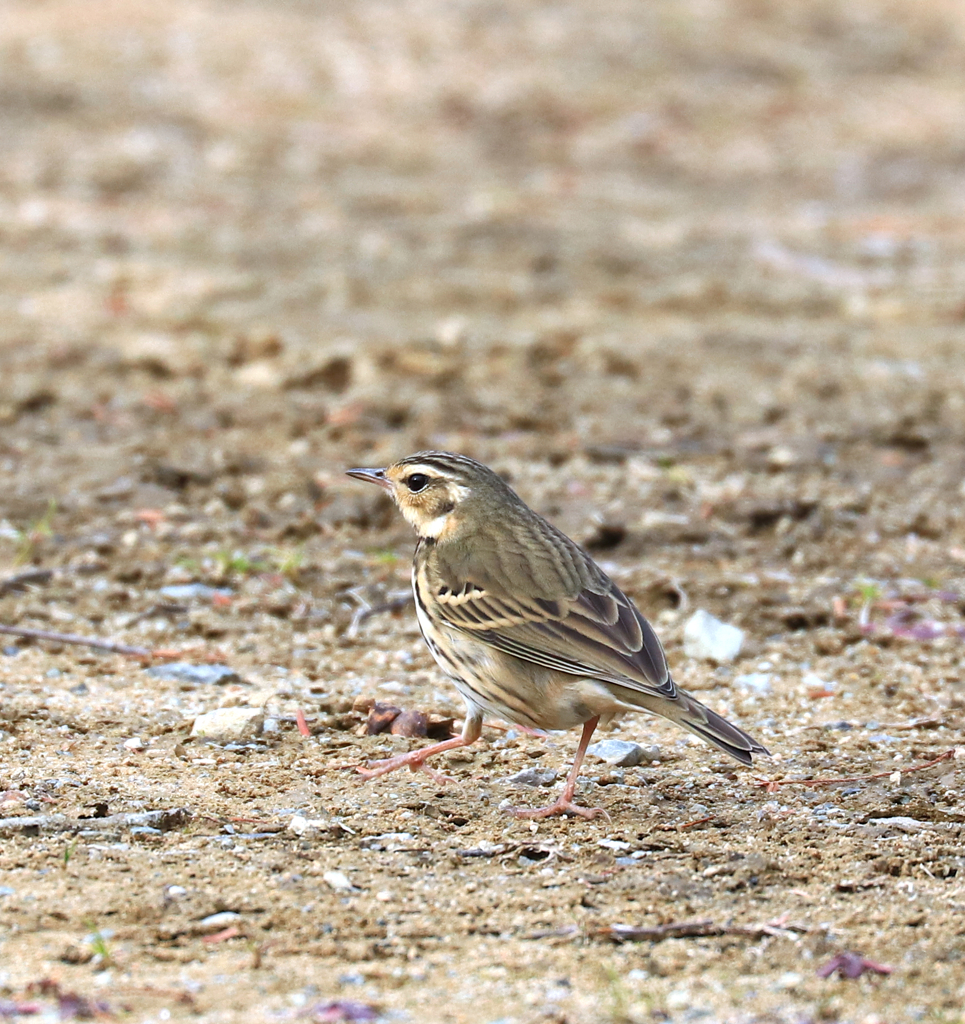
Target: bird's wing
x=597, y=633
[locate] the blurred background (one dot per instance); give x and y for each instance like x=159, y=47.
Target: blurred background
x=315, y=233
x=690, y=273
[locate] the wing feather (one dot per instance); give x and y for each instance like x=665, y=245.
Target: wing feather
x=596, y=633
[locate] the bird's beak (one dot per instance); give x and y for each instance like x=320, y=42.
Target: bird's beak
x=374, y=476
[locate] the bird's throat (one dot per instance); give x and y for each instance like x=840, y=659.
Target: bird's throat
x=439, y=528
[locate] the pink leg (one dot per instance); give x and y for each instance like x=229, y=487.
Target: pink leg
x=415, y=759
x=565, y=805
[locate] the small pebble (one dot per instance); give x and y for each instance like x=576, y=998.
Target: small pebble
x=394, y=687
x=198, y=675
x=531, y=777
x=191, y=591
x=215, y=922
x=617, y=845
x=623, y=753
x=756, y=682
x=812, y=681
x=303, y=826
x=228, y=725
x=339, y=881
x=710, y=639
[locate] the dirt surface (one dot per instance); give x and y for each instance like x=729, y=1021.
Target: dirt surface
x=692, y=276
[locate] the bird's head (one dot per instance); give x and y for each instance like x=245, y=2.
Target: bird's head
x=434, y=490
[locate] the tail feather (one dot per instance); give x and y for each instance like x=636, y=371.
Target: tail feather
x=688, y=712
x=710, y=726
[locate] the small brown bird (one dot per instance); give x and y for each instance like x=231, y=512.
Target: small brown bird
x=528, y=627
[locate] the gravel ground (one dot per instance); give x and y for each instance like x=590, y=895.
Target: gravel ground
x=691, y=275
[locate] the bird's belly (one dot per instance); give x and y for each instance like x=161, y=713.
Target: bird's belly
x=510, y=688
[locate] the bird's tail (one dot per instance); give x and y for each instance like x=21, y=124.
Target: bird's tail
x=689, y=713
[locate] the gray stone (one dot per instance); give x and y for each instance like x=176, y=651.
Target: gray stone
x=531, y=777
x=710, y=639
x=193, y=591
x=622, y=753
x=199, y=675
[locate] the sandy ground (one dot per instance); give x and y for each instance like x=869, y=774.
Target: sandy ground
x=692, y=276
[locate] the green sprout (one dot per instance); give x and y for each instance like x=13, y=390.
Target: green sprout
x=237, y=563
x=868, y=591
x=98, y=942
x=618, y=997
x=30, y=536
x=69, y=852
x=288, y=561
x=188, y=563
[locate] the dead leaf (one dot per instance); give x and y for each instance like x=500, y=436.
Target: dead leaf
x=410, y=723
x=381, y=718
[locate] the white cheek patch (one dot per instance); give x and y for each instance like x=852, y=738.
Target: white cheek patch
x=435, y=527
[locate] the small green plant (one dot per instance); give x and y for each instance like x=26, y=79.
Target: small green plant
x=868, y=591
x=98, y=942
x=189, y=564
x=69, y=852
x=238, y=563
x=384, y=556
x=618, y=997
x=30, y=536
x=680, y=476
x=288, y=561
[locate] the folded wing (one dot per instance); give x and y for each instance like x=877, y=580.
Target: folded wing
x=596, y=634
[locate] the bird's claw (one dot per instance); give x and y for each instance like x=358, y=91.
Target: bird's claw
x=561, y=806
x=375, y=769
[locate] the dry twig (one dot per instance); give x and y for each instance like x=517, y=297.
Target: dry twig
x=773, y=784
x=83, y=641
x=164, y=820
x=695, y=929
x=22, y=581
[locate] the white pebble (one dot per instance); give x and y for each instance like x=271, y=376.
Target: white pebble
x=339, y=881
x=710, y=639
x=229, y=725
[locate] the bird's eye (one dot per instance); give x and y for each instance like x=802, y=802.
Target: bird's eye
x=417, y=482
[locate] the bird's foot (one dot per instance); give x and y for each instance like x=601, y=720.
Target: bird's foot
x=415, y=761
x=564, y=805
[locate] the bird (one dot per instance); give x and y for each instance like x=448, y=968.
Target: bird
x=525, y=623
